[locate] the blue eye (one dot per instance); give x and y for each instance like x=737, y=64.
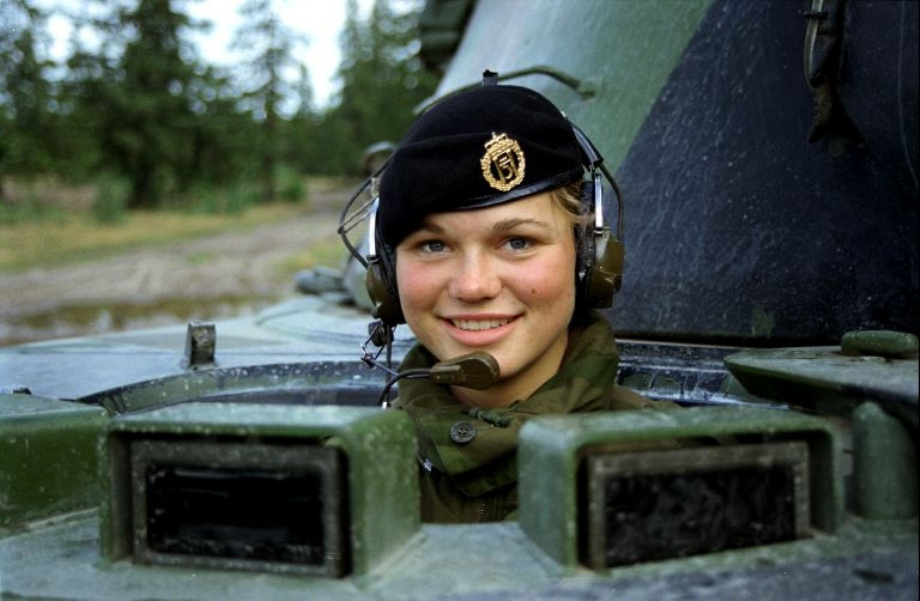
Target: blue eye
x=518, y=243
x=433, y=246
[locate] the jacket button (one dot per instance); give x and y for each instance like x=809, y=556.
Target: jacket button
x=462, y=432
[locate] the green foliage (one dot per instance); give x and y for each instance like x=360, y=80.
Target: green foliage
x=110, y=201
x=149, y=116
x=25, y=91
x=137, y=102
x=268, y=44
x=205, y=200
x=291, y=186
x=382, y=80
x=29, y=210
x=240, y=198
x=233, y=199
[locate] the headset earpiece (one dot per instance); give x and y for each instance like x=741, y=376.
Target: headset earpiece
x=380, y=279
x=384, y=301
x=605, y=276
x=601, y=255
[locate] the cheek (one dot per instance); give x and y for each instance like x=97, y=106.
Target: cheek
x=415, y=289
x=549, y=290
x=552, y=281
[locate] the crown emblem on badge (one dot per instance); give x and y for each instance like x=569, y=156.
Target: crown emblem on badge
x=503, y=163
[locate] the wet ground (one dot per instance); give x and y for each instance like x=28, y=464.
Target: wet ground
x=213, y=277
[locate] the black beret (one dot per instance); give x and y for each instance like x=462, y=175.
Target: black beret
x=479, y=148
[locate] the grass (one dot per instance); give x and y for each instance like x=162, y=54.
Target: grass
x=327, y=252
x=78, y=237
x=51, y=223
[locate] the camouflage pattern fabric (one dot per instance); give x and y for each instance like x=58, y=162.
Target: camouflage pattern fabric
x=475, y=479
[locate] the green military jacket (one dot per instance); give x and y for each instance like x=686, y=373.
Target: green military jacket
x=468, y=455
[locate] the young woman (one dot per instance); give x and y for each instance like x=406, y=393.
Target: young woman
x=480, y=231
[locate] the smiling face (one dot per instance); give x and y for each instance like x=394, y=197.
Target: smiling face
x=499, y=280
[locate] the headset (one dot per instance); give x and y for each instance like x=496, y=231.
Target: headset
x=600, y=254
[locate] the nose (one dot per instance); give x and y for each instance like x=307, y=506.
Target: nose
x=475, y=279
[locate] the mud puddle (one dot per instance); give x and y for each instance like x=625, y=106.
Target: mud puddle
x=82, y=320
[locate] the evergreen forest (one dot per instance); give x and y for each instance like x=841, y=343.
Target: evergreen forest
x=140, y=115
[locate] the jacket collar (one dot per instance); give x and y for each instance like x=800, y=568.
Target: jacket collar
x=487, y=461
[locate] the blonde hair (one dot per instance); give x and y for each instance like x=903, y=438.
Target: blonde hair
x=568, y=199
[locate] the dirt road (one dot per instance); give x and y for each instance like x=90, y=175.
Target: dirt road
x=206, y=278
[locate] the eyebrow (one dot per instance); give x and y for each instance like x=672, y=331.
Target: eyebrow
x=507, y=224
x=500, y=226
x=427, y=226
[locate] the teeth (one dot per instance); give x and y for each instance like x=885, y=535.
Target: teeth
x=483, y=324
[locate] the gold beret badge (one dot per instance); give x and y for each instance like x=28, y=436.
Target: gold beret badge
x=503, y=163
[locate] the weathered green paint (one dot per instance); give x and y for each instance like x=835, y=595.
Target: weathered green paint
x=380, y=457
x=475, y=562
x=322, y=382
x=396, y=558
x=824, y=380
x=551, y=449
x=47, y=458
x=626, y=68
x=884, y=343
x=884, y=465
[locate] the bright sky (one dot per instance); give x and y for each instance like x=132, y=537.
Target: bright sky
x=320, y=20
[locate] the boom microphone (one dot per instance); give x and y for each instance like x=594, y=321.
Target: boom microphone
x=477, y=370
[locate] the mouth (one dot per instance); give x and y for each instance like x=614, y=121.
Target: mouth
x=477, y=325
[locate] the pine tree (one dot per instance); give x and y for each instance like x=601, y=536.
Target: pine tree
x=382, y=79
x=149, y=132
x=304, y=93
x=25, y=93
x=268, y=45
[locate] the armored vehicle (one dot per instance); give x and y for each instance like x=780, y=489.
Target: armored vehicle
x=767, y=155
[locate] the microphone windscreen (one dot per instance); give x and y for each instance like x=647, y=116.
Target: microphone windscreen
x=477, y=370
